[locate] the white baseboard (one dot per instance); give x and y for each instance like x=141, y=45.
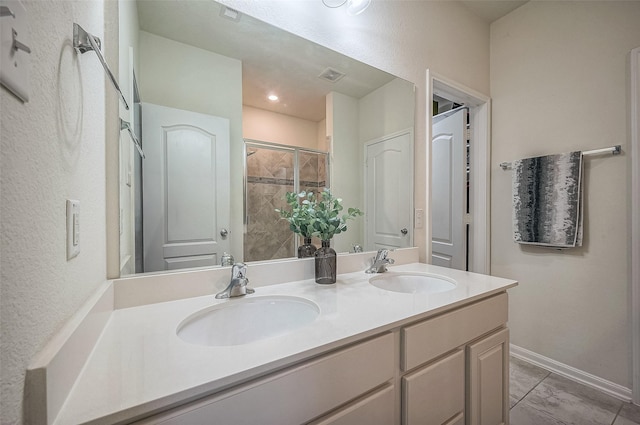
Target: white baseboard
x=607, y=387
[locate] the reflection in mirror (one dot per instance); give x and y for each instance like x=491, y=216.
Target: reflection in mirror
x=204, y=77
x=272, y=171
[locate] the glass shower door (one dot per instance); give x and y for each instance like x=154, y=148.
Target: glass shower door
x=270, y=174
x=272, y=171
x=313, y=176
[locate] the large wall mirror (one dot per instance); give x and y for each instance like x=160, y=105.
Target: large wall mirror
x=221, y=150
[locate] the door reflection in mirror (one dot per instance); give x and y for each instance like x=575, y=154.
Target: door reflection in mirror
x=185, y=188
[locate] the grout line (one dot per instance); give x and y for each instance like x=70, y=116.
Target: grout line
x=532, y=388
x=617, y=414
x=535, y=386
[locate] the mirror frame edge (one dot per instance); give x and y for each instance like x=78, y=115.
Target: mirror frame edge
x=112, y=143
x=112, y=154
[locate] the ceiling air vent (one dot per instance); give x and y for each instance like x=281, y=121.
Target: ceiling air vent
x=331, y=75
x=230, y=14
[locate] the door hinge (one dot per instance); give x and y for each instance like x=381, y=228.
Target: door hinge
x=467, y=219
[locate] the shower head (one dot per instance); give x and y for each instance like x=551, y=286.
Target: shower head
x=249, y=153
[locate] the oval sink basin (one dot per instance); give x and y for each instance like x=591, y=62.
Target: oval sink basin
x=413, y=283
x=237, y=322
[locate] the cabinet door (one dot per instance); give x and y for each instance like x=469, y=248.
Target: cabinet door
x=488, y=380
x=375, y=409
x=434, y=394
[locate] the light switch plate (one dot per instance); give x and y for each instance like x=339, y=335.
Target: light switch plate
x=419, y=218
x=73, y=228
x=15, y=64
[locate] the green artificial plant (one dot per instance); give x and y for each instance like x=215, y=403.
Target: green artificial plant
x=318, y=216
x=299, y=216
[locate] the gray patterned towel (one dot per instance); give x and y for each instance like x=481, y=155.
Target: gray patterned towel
x=547, y=200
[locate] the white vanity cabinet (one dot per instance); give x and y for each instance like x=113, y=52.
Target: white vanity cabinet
x=302, y=393
x=488, y=380
x=434, y=394
x=377, y=408
x=457, y=366
x=449, y=369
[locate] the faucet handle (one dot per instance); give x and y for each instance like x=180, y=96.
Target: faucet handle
x=380, y=262
x=238, y=271
x=238, y=285
x=382, y=254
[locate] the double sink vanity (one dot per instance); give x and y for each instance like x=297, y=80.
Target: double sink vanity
x=419, y=344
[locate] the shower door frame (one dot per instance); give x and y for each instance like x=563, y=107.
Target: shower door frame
x=296, y=176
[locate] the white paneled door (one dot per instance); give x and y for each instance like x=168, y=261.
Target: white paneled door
x=448, y=193
x=389, y=192
x=185, y=188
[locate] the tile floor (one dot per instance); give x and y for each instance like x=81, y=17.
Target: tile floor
x=539, y=397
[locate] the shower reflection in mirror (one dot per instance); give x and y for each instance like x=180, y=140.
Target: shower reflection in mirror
x=271, y=170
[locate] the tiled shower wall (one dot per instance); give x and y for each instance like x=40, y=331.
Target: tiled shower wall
x=270, y=174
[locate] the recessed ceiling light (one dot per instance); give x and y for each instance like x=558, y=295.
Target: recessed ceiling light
x=272, y=97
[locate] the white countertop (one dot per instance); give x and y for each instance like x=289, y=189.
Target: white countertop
x=140, y=365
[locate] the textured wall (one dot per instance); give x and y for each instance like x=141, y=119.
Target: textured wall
x=401, y=37
x=52, y=148
x=559, y=83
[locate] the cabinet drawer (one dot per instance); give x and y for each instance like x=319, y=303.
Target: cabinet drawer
x=429, y=339
x=375, y=409
x=435, y=393
x=295, y=395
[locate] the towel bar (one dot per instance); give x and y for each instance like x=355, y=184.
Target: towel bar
x=84, y=42
x=614, y=150
x=124, y=125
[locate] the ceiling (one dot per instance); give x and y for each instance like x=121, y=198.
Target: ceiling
x=274, y=60
x=492, y=10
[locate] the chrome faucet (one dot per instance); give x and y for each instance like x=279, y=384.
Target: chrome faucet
x=238, y=285
x=380, y=262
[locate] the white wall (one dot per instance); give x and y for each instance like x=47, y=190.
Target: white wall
x=401, y=37
x=52, y=149
x=267, y=126
x=387, y=110
x=559, y=83
x=346, y=164
x=201, y=81
x=321, y=136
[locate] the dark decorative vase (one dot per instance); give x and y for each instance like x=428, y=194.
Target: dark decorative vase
x=307, y=249
x=325, y=264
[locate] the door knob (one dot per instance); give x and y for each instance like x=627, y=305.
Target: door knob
x=404, y=231
x=224, y=233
